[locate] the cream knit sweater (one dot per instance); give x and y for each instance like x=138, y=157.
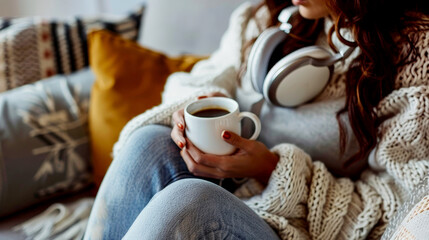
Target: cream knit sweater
x=302, y=199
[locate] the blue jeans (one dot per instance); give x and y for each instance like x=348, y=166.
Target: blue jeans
x=141, y=197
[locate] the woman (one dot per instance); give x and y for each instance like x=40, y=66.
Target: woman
x=339, y=167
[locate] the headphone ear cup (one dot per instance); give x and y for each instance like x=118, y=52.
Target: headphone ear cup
x=260, y=55
x=294, y=80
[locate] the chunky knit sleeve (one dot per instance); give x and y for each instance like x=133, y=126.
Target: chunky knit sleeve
x=302, y=199
x=403, y=148
x=282, y=204
x=401, y=156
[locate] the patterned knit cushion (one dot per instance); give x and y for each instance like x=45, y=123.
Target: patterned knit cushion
x=44, y=143
x=34, y=48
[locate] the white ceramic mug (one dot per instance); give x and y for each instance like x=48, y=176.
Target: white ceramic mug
x=205, y=132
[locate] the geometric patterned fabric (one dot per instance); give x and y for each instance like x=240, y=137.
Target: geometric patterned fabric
x=44, y=143
x=34, y=48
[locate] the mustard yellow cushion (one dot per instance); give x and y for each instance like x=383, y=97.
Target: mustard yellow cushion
x=129, y=80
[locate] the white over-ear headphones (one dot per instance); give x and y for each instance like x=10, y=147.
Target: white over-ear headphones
x=296, y=78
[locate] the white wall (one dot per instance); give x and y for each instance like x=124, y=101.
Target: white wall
x=121, y=6
x=186, y=26
x=7, y=6
x=65, y=8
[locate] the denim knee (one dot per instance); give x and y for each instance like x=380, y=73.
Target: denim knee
x=198, y=209
x=196, y=192
x=185, y=209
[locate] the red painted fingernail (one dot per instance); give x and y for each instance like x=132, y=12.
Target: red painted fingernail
x=226, y=135
x=181, y=145
x=180, y=125
x=201, y=97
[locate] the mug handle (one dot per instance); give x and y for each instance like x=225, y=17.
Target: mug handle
x=255, y=120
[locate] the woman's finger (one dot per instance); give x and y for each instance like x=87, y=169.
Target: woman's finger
x=179, y=119
x=199, y=169
x=178, y=131
x=213, y=94
x=209, y=160
x=217, y=94
x=178, y=136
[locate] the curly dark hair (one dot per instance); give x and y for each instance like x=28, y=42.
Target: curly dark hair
x=382, y=30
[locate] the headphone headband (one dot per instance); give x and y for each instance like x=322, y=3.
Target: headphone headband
x=285, y=16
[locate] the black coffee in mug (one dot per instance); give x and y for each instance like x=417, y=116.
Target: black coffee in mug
x=210, y=112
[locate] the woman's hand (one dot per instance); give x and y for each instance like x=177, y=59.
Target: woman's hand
x=252, y=159
x=178, y=132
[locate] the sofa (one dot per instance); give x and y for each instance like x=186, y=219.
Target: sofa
x=63, y=104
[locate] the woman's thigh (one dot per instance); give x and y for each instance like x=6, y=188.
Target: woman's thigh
x=148, y=163
x=197, y=209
